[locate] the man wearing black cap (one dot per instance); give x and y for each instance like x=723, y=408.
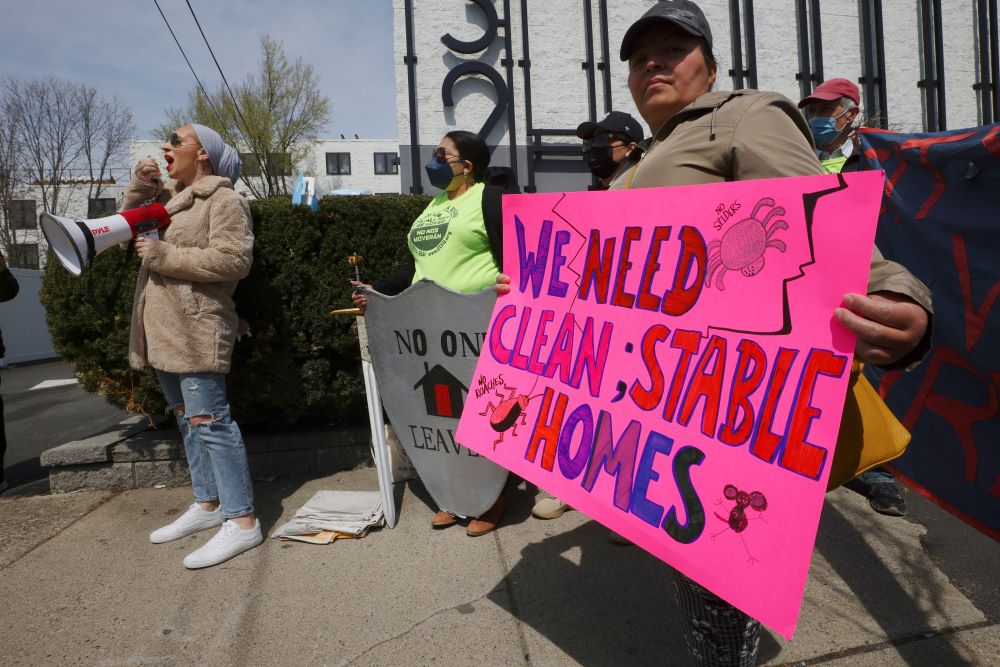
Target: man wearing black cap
x=608, y=143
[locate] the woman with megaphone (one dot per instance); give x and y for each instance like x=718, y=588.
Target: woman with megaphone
x=184, y=325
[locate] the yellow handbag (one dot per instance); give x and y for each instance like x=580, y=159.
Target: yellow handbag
x=870, y=434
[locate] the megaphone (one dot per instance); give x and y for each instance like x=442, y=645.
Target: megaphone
x=77, y=242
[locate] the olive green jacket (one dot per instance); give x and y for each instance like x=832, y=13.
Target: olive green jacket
x=744, y=135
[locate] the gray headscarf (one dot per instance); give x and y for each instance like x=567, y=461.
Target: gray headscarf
x=224, y=158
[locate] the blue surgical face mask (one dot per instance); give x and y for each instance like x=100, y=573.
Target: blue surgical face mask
x=824, y=129
x=439, y=173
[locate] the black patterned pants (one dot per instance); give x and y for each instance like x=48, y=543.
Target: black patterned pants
x=716, y=633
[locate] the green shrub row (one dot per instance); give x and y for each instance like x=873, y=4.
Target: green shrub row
x=300, y=362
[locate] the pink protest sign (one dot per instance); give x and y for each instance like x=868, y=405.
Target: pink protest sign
x=668, y=363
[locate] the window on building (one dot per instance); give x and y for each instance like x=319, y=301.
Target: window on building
x=24, y=255
x=280, y=164
x=386, y=163
x=98, y=206
x=22, y=214
x=338, y=163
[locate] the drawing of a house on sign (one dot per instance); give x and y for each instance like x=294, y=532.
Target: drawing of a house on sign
x=442, y=392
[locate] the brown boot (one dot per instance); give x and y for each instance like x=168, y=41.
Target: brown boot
x=443, y=519
x=487, y=523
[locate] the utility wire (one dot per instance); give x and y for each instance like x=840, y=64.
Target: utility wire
x=193, y=73
x=236, y=105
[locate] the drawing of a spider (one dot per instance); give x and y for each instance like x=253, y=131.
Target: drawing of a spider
x=742, y=246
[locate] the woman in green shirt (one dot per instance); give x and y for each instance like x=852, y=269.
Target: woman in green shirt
x=457, y=242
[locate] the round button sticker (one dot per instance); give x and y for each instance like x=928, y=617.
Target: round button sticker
x=431, y=229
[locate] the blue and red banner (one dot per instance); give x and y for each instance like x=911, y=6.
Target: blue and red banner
x=939, y=218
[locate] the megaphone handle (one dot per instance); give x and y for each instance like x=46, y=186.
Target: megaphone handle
x=89, y=238
x=154, y=235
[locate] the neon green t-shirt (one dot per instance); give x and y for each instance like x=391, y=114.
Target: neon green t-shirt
x=833, y=165
x=449, y=243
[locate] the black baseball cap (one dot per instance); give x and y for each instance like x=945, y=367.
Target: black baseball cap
x=618, y=122
x=685, y=14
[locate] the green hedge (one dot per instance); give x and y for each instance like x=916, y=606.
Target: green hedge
x=301, y=362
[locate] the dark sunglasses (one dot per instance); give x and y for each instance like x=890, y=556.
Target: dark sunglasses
x=175, y=141
x=442, y=156
x=602, y=141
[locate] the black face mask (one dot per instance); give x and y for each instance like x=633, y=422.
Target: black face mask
x=600, y=162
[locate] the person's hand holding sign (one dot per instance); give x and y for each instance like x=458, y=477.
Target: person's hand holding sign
x=888, y=325
x=502, y=285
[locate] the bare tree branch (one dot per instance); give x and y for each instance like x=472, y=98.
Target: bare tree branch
x=60, y=137
x=280, y=112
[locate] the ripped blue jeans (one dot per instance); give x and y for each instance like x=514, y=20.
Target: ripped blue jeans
x=216, y=455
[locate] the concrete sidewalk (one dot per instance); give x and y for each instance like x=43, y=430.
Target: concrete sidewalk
x=81, y=584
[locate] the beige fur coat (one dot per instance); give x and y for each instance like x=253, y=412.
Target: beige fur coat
x=183, y=317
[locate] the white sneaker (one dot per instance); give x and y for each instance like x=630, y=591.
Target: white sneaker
x=549, y=507
x=192, y=521
x=230, y=541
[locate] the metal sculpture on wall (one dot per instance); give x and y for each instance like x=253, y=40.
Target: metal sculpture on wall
x=504, y=98
x=476, y=67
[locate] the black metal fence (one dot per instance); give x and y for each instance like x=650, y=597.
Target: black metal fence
x=744, y=72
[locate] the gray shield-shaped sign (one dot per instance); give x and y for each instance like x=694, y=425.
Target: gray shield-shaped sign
x=425, y=343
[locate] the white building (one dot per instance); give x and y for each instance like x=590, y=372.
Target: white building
x=355, y=164
x=525, y=74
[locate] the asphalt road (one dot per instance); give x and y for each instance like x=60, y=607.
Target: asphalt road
x=38, y=418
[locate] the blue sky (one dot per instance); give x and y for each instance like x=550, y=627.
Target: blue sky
x=123, y=49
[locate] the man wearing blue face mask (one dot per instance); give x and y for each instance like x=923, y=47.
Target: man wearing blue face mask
x=831, y=110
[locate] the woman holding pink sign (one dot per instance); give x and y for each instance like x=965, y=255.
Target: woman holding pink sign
x=701, y=136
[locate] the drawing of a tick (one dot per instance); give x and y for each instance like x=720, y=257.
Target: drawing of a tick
x=505, y=414
x=737, y=520
x=742, y=246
